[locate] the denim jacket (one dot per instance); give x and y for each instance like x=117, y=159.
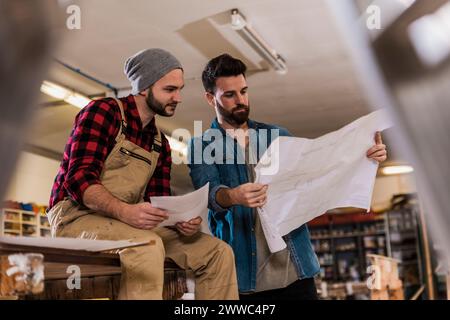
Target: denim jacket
x=234, y=225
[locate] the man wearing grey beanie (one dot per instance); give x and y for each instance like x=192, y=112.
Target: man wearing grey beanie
x=114, y=161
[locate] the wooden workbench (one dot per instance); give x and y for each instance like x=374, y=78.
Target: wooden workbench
x=100, y=273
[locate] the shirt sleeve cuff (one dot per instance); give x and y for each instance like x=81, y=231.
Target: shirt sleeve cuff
x=76, y=187
x=212, y=198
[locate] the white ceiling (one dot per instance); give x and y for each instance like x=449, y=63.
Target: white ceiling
x=319, y=93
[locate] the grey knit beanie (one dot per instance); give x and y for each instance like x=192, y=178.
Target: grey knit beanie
x=148, y=66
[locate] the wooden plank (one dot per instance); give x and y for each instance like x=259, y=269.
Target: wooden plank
x=107, y=287
x=55, y=270
x=100, y=287
x=64, y=255
x=100, y=274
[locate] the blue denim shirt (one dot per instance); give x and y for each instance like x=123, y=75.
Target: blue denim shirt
x=234, y=225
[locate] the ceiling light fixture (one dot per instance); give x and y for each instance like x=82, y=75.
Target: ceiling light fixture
x=392, y=170
x=59, y=92
x=245, y=30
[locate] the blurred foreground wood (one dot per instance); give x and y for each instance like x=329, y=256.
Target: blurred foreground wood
x=100, y=275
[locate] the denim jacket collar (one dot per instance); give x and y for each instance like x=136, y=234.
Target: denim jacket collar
x=215, y=125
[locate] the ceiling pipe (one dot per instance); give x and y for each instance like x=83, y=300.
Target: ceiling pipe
x=87, y=76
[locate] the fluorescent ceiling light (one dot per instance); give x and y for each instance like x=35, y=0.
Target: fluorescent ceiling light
x=59, y=92
x=392, y=170
x=430, y=36
x=239, y=24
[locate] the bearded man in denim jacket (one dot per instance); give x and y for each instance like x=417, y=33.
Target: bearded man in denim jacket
x=225, y=156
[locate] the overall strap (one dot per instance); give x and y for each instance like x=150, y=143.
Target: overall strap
x=123, y=122
x=157, y=142
x=154, y=155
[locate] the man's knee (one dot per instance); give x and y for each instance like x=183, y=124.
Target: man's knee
x=150, y=253
x=151, y=241
x=150, y=247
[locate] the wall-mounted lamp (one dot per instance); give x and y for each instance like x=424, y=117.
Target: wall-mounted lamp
x=59, y=92
x=239, y=24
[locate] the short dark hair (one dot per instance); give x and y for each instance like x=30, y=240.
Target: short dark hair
x=221, y=66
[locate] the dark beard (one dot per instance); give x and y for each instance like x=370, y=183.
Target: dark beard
x=156, y=106
x=234, y=118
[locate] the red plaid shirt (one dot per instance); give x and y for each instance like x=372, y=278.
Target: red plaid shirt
x=93, y=138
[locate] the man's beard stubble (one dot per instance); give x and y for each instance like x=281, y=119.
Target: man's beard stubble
x=235, y=117
x=156, y=106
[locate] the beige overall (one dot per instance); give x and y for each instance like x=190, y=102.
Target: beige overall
x=126, y=173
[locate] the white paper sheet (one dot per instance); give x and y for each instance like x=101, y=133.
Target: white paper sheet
x=185, y=207
x=308, y=177
x=71, y=243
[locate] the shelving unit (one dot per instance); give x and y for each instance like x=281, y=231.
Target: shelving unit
x=342, y=241
x=14, y=222
x=404, y=240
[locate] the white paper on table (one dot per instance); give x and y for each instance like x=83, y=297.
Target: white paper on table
x=185, y=207
x=308, y=177
x=71, y=243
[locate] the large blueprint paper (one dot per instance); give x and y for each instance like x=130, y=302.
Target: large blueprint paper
x=308, y=177
x=184, y=208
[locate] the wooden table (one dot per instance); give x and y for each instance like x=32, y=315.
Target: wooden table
x=100, y=273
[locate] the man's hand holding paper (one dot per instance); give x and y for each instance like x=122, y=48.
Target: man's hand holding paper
x=186, y=212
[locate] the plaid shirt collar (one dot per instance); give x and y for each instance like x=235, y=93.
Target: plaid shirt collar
x=132, y=114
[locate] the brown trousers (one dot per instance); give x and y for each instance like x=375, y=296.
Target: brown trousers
x=210, y=259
